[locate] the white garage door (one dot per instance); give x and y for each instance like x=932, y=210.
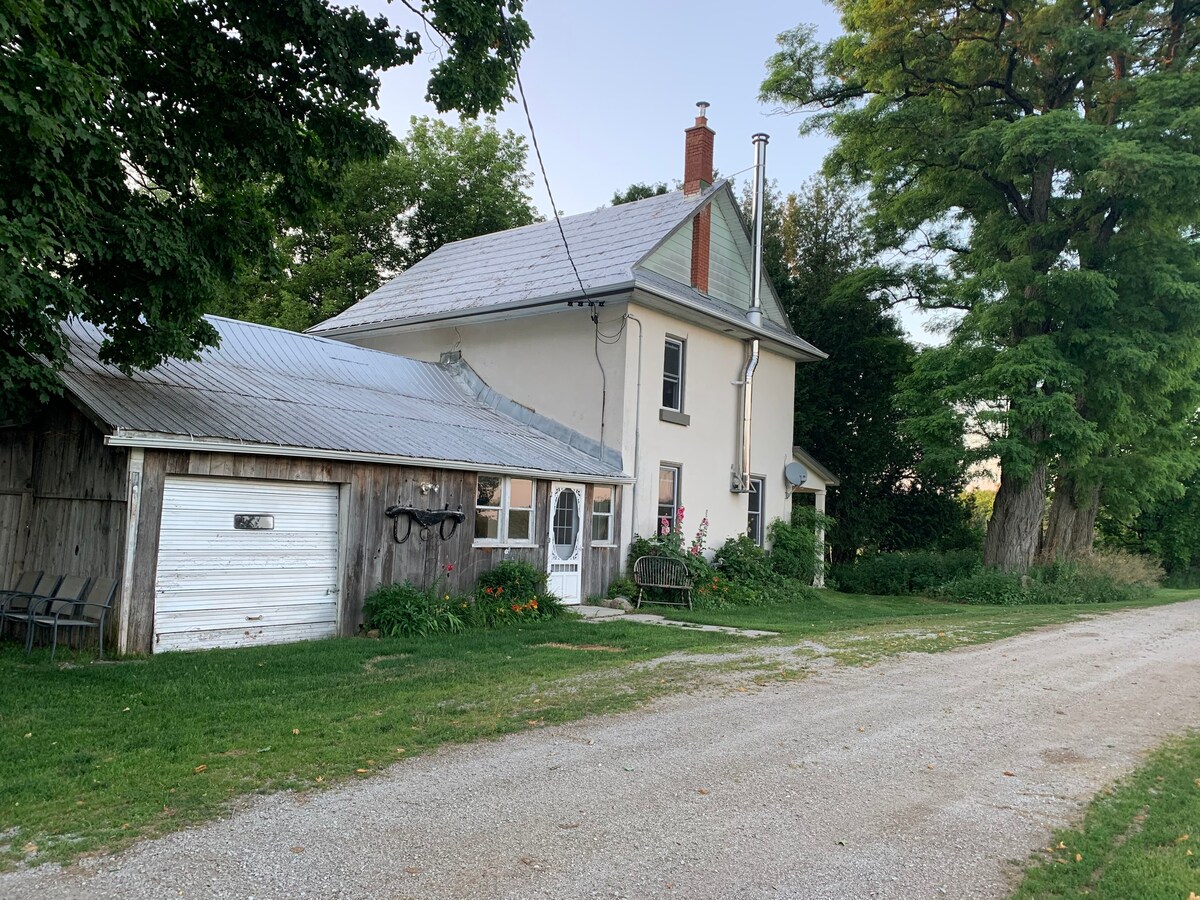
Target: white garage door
x=245, y=562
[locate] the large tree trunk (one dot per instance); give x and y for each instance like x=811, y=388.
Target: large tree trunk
x=1071, y=528
x=1011, y=543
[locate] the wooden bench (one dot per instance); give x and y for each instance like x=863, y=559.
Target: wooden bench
x=664, y=573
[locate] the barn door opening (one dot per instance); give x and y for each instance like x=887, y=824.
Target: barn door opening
x=565, y=557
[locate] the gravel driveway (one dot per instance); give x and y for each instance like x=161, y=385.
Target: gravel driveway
x=922, y=776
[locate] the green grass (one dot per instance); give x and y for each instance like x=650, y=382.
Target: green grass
x=859, y=629
x=1140, y=839
x=95, y=756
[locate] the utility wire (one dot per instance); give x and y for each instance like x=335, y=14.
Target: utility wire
x=542, y=165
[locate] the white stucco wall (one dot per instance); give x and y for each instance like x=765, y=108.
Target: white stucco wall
x=546, y=362
x=705, y=448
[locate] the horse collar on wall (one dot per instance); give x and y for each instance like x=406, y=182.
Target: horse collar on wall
x=426, y=519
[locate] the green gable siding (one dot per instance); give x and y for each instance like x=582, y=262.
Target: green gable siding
x=674, y=258
x=728, y=273
x=729, y=263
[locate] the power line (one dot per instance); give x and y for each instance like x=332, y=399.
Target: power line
x=542, y=165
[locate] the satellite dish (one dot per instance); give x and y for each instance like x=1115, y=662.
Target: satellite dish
x=795, y=474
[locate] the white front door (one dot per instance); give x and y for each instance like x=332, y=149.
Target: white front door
x=565, y=559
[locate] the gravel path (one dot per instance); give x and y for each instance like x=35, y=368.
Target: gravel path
x=890, y=781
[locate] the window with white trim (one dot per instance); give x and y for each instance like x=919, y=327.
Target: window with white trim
x=673, y=375
x=668, y=498
x=504, y=510
x=754, y=511
x=603, y=496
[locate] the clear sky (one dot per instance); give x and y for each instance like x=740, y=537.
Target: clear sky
x=612, y=84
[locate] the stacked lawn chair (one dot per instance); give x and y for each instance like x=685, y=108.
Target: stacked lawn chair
x=62, y=603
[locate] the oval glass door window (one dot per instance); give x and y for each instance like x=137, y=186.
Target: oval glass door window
x=565, y=524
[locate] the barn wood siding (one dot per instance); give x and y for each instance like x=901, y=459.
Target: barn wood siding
x=371, y=556
x=16, y=498
x=601, y=565
x=62, y=497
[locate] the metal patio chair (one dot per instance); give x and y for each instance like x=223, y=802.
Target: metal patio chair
x=15, y=603
x=89, y=613
x=45, y=611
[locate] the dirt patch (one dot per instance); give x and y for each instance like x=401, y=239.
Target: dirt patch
x=599, y=648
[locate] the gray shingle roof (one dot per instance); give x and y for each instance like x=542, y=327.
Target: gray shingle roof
x=508, y=268
x=273, y=387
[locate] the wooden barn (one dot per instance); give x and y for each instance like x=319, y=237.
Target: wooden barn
x=259, y=493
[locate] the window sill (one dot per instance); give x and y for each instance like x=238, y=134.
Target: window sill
x=675, y=418
x=496, y=545
x=600, y=546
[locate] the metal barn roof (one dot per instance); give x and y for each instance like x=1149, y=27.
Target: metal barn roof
x=273, y=388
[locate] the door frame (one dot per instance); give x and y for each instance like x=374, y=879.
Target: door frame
x=580, y=491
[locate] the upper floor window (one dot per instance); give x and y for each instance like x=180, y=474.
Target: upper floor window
x=504, y=510
x=602, y=514
x=754, y=511
x=673, y=375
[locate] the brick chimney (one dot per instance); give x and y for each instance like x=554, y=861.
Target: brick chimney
x=697, y=175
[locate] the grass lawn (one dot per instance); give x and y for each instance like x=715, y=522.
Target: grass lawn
x=95, y=756
x=1140, y=839
x=859, y=629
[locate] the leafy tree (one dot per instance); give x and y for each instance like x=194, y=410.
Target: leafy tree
x=441, y=183
x=152, y=148
x=849, y=409
x=639, y=191
x=1042, y=151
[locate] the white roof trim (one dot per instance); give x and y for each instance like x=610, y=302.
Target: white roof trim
x=158, y=441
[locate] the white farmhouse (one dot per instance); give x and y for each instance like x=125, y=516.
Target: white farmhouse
x=657, y=336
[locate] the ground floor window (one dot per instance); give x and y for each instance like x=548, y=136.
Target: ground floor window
x=754, y=511
x=668, y=498
x=602, y=514
x=504, y=510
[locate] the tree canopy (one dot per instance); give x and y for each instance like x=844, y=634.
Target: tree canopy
x=1042, y=158
x=440, y=183
x=153, y=149
x=849, y=409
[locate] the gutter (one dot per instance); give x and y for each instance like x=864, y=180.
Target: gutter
x=160, y=441
x=447, y=317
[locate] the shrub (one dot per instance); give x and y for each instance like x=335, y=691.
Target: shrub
x=1069, y=583
x=404, y=610
x=911, y=572
x=622, y=587
x=1124, y=567
x=794, y=545
x=792, y=556
x=513, y=591
x=740, y=559
x=985, y=588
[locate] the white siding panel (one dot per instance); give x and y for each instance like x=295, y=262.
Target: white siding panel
x=218, y=586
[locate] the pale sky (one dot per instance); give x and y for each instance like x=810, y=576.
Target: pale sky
x=612, y=84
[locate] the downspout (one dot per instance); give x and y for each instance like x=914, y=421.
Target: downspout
x=637, y=430
x=740, y=483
